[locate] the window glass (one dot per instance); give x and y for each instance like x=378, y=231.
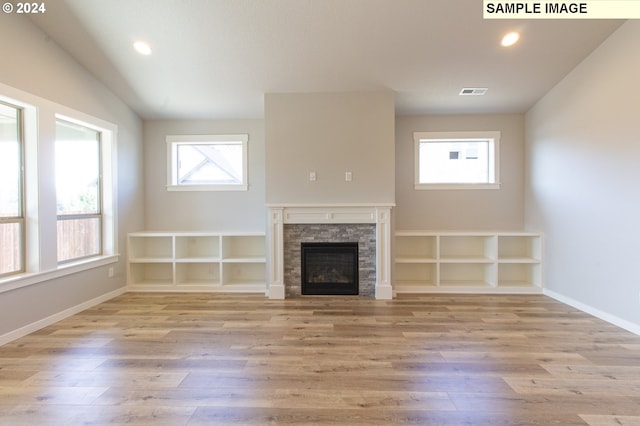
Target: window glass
x=10, y=162
x=456, y=160
x=78, y=186
x=11, y=215
x=207, y=162
x=78, y=238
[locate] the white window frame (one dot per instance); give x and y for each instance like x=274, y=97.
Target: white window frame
x=103, y=134
x=20, y=218
x=39, y=201
x=173, y=141
x=108, y=169
x=492, y=136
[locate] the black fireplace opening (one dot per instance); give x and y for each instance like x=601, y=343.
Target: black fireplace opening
x=329, y=268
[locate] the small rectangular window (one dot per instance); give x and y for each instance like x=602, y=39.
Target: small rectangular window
x=78, y=191
x=207, y=162
x=456, y=160
x=11, y=191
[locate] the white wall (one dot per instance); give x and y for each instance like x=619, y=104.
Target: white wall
x=484, y=209
x=32, y=63
x=330, y=133
x=583, y=191
x=210, y=210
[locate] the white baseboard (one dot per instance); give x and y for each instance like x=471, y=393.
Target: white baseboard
x=612, y=319
x=35, y=326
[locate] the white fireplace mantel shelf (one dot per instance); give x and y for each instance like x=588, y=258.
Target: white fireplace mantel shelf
x=281, y=214
x=335, y=213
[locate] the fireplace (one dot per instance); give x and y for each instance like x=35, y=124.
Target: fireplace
x=291, y=225
x=329, y=268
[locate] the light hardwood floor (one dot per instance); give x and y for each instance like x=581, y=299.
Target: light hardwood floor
x=203, y=359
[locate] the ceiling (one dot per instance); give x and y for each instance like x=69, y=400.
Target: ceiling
x=217, y=58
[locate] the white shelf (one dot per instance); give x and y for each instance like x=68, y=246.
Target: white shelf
x=244, y=247
x=152, y=248
x=194, y=247
x=473, y=247
x=416, y=274
x=474, y=262
x=523, y=274
x=519, y=248
x=150, y=273
x=198, y=261
x=197, y=273
x=416, y=248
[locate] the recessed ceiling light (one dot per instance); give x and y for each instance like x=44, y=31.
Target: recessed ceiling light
x=510, y=39
x=142, y=48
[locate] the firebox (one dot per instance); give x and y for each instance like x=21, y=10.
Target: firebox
x=329, y=268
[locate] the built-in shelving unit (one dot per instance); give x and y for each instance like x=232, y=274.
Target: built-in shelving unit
x=196, y=261
x=506, y=262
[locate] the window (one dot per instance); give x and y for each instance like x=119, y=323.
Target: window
x=207, y=162
x=58, y=212
x=456, y=160
x=11, y=191
x=78, y=191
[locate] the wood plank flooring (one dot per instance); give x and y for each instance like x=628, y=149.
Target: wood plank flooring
x=206, y=359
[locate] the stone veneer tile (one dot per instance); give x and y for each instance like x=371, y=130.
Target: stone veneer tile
x=295, y=234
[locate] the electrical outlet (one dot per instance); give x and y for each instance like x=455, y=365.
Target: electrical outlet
x=348, y=176
x=110, y=272
x=312, y=176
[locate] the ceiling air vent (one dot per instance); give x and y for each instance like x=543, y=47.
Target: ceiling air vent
x=473, y=91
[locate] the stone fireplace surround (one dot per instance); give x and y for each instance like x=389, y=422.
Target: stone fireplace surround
x=341, y=219
x=362, y=233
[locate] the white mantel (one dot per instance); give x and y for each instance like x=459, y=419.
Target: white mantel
x=281, y=214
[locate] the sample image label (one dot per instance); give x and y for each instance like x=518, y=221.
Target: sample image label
x=585, y=9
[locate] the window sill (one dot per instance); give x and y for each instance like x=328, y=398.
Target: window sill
x=207, y=187
x=456, y=186
x=30, y=278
